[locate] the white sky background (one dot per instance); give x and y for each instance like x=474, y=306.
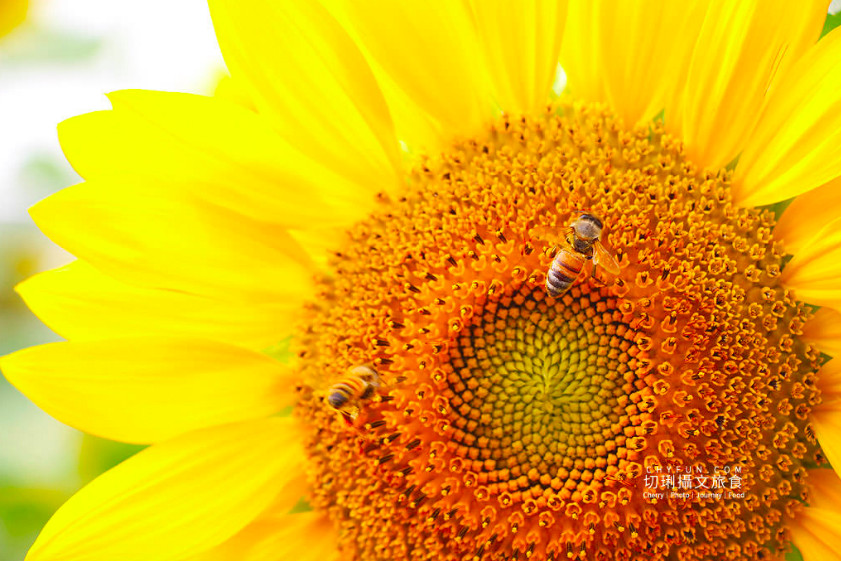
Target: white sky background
x=150, y=44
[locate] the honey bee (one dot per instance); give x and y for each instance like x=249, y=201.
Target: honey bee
x=359, y=384
x=581, y=245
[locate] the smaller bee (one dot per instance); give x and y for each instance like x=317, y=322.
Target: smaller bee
x=359, y=384
x=581, y=245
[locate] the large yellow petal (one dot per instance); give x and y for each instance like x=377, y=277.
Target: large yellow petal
x=826, y=417
x=81, y=304
x=797, y=224
x=431, y=51
x=817, y=532
x=315, y=87
x=150, y=234
x=742, y=46
x=305, y=536
x=217, y=150
x=816, y=543
x=12, y=14
x=521, y=42
x=631, y=55
x=149, y=389
x=795, y=146
x=814, y=273
x=826, y=488
x=418, y=131
x=581, y=51
x=829, y=382
x=824, y=331
x=177, y=498
x=233, y=91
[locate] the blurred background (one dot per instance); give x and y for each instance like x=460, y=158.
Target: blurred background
x=57, y=59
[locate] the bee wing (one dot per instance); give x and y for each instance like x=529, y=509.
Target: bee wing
x=603, y=258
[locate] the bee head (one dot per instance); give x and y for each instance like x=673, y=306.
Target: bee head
x=587, y=229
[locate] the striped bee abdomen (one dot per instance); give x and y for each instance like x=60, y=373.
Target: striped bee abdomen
x=359, y=384
x=566, y=266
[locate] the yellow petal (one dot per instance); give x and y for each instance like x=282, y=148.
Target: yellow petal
x=797, y=224
x=12, y=14
x=742, y=46
x=521, y=43
x=825, y=488
x=631, y=55
x=829, y=382
x=177, y=498
x=581, y=51
x=419, y=132
x=150, y=234
x=235, y=92
x=824, y=331
x=218, y=151
x=826, y=417
x=315, y=88
x=82, y=304
x=148, y=389
x=795, y=146
x=431, y=51
x=305, y=536
x=815, y=271
x=817, y=532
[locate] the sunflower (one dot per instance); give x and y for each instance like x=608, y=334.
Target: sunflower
x=358, y=227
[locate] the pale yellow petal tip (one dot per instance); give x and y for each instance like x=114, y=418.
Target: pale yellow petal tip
x=7, y=366
x=44, y=211
x=14, y=366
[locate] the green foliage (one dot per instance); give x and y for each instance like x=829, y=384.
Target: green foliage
x=778, y=208
x=832, y=21
x=301, y=506
x=23, y=509
x=51, y=46
x=794, y=554
x=42, y=173
x=23, y=512
x=281, y=351
x=98, y=455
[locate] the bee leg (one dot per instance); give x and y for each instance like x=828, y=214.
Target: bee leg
x=593, y=276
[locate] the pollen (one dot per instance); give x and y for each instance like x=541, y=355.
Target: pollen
x=511, y=425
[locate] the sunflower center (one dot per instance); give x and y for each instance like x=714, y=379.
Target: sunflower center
x=504, y=423
x=536, y=384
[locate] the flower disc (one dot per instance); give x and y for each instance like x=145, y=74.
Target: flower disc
x=508, y=424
